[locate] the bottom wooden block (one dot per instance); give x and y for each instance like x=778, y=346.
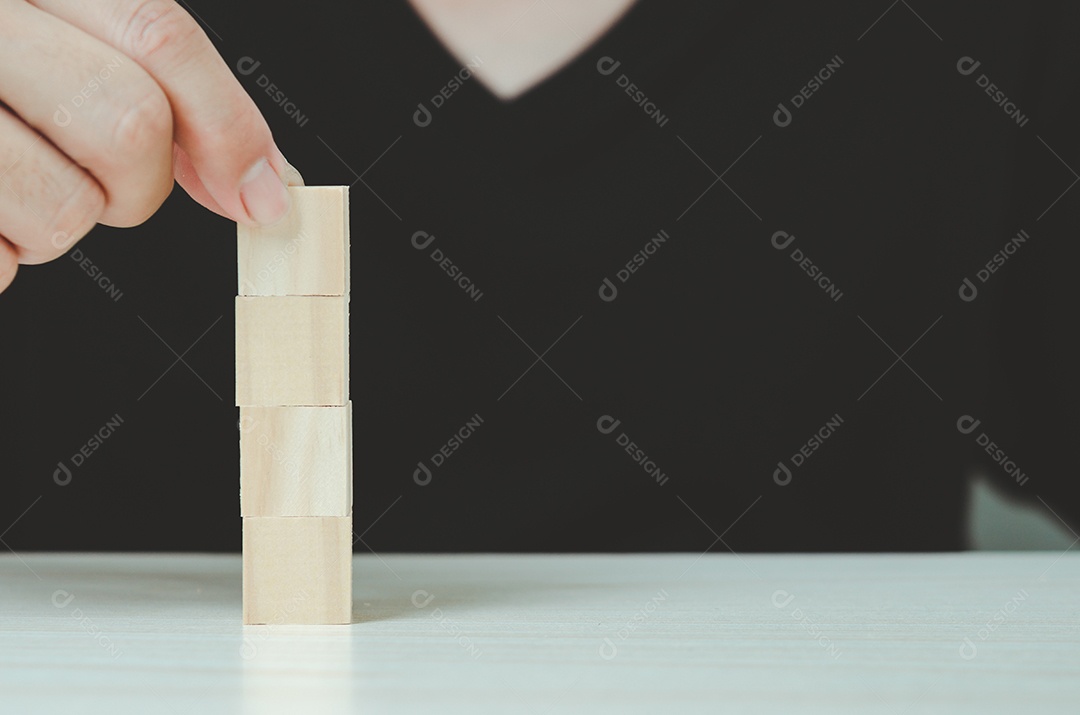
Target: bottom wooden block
x=298, y=569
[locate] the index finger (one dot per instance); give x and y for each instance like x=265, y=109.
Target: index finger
x=216, y=123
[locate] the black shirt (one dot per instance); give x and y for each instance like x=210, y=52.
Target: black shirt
x=746, y=275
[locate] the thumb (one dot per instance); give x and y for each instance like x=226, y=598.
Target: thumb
x=225, y=141
x=189, y=180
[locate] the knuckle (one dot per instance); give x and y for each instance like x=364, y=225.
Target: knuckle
x=143, y=209
x=9, y=264
x=154, y=27
x=238, y=129
x=143, y=124
x=76, y=214
x=134, y=160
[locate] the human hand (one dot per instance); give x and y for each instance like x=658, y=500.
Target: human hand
x=102, y=105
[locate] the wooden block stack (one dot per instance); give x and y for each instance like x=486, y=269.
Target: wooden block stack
x=292, y=387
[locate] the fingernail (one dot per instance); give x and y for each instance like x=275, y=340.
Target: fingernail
x=292, y=176
x=263, y=194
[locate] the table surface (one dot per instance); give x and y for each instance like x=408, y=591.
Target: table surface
x=889, y=633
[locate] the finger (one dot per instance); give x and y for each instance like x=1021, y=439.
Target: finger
x=96, y=105
x=293, y=176
x=46, y=202
x=9, y=264
x=188, y=178
x=217, y=124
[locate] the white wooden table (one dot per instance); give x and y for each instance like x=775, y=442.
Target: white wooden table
x=952, y=633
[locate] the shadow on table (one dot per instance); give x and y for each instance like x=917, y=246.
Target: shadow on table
x=398, y=587
x=419, y=586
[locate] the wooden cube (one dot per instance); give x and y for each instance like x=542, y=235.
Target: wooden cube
x=298, y=569
x=306, y=253
x=296, y=461
x=292, y=350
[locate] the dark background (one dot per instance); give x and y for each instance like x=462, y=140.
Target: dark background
x=719, y=357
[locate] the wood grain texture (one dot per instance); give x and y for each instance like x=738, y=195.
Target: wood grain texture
x=297, y=570
x=479, y=634
x=306, y=253
x=292, y=350
x=296, y=461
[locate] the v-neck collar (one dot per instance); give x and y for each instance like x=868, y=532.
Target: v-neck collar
x=553, y=84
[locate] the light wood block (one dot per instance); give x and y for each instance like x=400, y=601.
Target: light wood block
x=292, y=350
x=292, y=384
x=306, y=253
x=296, y=461
x=298, y=569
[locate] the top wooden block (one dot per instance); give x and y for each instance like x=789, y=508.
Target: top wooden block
x=306, y=253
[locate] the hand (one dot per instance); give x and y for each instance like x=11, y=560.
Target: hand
x=102, y=104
